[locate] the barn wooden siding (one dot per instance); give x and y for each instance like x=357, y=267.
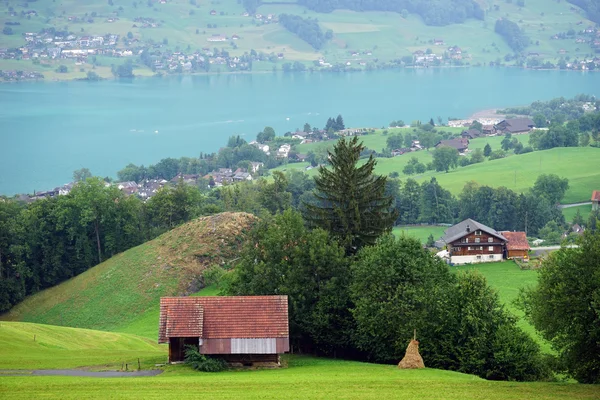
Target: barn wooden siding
x=245, y=346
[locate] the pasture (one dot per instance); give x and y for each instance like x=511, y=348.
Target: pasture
x=420, y=232
x=570, y=212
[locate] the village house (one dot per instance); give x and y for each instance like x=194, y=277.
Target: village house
x=255, y=166
x=239, y=329
x=191, y=179
x=517, y=245
x=470, y=134
x=128, y=188
x=596, y=200
x=471, y=242
x=514, y=126
x=460, y=144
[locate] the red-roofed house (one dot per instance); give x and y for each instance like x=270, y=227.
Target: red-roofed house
x=239, y=329
x=517, y=245
x=596, y=200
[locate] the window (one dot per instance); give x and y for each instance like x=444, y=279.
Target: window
x=491, y=256
x=477, y=240
x=479, y=257
x=455, y=249
x=469, y=248
x=481, y=248
x=467, y=240
x=490, y=240
x=477, y=233
x=491, y=248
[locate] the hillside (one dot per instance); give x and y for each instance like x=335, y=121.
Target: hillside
x=360, y=40
x=36, y=346
x=122, y=290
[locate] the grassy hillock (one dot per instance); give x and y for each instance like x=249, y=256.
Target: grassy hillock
x=123, y=292
x=37, y=346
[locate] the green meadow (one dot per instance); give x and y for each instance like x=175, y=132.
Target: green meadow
x=302, y=378
x=420, y=232
x=570, y=212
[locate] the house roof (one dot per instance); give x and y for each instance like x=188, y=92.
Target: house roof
x=459, y=230
x=516, y=240
x=471, y=133
x=596, y=195
x=458, y=143
x=519, y=124
x=215, y=317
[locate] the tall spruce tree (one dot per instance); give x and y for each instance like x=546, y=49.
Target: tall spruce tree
x=350, y=200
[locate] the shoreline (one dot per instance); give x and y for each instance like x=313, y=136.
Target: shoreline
x=148, y=74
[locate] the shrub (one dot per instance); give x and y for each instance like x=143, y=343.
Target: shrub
x=200, y=362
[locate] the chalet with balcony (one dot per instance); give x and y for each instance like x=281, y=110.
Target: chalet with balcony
x=471, y=242
x=239, y=329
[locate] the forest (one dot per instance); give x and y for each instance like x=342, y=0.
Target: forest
x=443, y=12
x=512, y=34
x=592, y=8
x=306, y=29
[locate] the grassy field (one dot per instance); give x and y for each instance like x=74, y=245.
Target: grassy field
x=508, y=279
x=520, y=172
x=37, y=346
x=386, y=35
x=420, y=232
x=570, y=212
x=122, y=293
x=304, y=378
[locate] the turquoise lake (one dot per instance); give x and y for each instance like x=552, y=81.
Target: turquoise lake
x=50, y=129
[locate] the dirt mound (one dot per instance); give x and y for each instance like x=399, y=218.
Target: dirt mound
x=412, y=359
x=206, y=241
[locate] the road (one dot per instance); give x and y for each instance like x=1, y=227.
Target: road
x=542, y=251
x=574, y=204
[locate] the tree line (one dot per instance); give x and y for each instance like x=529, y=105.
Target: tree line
x=307, y=29
x=444, y=12
x=512, y=34
x=591, y=7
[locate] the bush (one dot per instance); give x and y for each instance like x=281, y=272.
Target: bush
x=200, y=362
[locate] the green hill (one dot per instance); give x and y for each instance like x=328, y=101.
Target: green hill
x=122, y=293
x=520, y=172
x=37, y=346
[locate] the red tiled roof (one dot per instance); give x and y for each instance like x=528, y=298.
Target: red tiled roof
x=516, y=240
x=214, y=317
x=190, y=326
x=596, y=195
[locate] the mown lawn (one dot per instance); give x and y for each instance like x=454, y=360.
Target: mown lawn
x=304, y=378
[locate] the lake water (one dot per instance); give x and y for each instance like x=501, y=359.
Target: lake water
x=50, y=129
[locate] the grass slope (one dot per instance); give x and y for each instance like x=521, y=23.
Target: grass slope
x=571, y=212
x=37, y=346
x=124, y=291
x=520, y=172
x=420, y=232
x=305, y=378
x=508, y=279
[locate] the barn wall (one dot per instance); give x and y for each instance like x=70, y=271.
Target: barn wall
x=245, y=346
x=518, y=254
x=475, y=259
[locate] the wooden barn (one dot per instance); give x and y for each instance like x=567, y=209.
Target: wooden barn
x=517, y=246
x=239, y=329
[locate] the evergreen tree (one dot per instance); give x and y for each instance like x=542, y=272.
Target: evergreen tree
x=487, y=150
x=339, y=123
x=350, y=200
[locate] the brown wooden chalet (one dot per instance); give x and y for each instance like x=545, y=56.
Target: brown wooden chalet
x=239, y=329
x=517, y=245
x=471, y=242
x=460, y=144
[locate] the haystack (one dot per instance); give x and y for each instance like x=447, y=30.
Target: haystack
x=412, y=359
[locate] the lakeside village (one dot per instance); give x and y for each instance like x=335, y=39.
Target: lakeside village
x=285, y=152
x=49, y=45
